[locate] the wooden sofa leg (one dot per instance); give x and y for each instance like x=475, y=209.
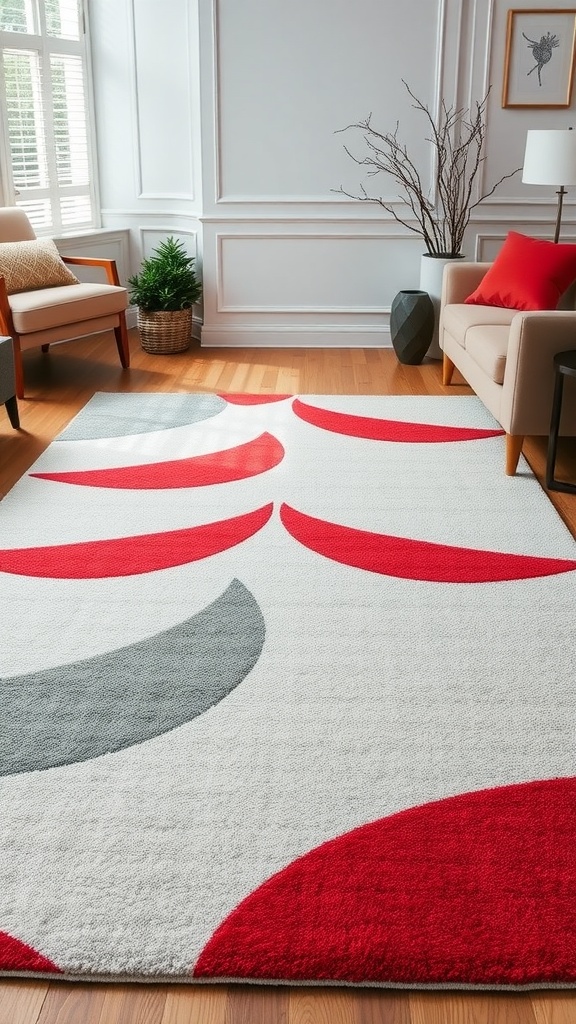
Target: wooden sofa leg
x=514, y=444
x=122, y=341
x=447, y=370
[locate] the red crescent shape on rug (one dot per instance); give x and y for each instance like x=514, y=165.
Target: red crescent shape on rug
x=387, y=430
x=130, y=556
x=476, y=889
x=239, y=463
x=237, y=398
x=17, y=956
x=415, y=559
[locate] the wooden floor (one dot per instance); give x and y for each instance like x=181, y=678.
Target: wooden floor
x=57, y=386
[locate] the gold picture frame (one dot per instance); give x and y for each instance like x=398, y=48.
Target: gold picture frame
x=539, y=60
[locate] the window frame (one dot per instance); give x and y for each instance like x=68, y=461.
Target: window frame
x=46, y=45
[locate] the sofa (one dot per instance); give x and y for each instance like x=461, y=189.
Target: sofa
x=506, y=356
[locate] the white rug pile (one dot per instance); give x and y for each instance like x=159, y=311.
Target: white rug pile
x=287, y=694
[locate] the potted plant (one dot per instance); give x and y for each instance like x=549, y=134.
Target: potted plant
x=442, y=214
x=165, y=291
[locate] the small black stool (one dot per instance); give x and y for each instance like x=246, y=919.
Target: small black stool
x=565, y=366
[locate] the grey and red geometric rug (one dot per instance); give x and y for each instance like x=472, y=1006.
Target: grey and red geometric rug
x=287, y=695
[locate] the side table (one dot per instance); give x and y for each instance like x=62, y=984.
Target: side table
x=564, y=366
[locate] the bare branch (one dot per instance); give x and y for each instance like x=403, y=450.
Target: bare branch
x=458, y=139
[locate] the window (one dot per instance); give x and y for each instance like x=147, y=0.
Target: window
x=48, y=166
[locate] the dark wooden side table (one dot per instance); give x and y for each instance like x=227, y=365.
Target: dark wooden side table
x=564, y=366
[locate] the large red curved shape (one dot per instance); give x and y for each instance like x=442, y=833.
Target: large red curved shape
x=476, y=889
x=386, y=430
x=414, y=559
x=129, y=556
x=17, y=956
x=239, y=463
x=238, y=398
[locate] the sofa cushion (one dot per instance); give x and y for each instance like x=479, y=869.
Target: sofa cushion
x=528, y=273
x=488, y=347
x=459, y=318
x=52, y=307
x=35, y=263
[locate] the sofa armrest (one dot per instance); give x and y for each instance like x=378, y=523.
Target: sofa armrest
x=460, y=279
x=535, y=338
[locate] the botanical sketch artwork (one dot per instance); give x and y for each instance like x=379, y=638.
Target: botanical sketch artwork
x=542, y=51
x=539, y=58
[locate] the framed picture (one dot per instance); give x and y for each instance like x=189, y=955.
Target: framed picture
x=539, y=61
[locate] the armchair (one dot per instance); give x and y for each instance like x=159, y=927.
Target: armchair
x=60, y=307
x=506, y=356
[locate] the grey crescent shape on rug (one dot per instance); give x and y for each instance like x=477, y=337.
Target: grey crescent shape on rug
x=75, y=712
x=118, y=415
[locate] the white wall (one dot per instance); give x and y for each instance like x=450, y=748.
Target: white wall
x=217, y=121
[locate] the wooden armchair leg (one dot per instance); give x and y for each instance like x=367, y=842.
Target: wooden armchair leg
x=123, y=342
x=44, y=347
x=447, y=370
x=514, y=444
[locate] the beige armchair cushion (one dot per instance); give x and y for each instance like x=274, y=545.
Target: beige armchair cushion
x=34, y=263
x=52, y=307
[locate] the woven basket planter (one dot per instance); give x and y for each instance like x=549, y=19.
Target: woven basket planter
x=165, y=331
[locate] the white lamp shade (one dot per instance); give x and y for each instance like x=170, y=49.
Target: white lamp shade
x=550, y=157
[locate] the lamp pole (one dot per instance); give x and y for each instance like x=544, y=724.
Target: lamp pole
x=560, y=193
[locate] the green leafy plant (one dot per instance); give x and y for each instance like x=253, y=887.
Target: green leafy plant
x=167, y=279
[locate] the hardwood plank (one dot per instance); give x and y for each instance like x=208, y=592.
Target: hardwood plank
x=70, y=1002
x=131, y=1004
x=554, y=1008
x=378, y=1006
x=321, y=1006
x=191, y=1004
x=21, y=1001
x=471, y=1008
x=252, y=1004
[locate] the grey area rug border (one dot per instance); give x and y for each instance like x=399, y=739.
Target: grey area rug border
x=170, y=979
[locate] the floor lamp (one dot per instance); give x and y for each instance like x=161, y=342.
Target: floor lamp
x=550, y=159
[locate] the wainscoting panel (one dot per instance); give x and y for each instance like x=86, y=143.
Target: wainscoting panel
x=303, y=273
x=164, y=100
x=284, y=86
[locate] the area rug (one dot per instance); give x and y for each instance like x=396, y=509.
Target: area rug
x=287, y=696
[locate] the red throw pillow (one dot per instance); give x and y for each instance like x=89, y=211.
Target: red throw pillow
x=528, y=273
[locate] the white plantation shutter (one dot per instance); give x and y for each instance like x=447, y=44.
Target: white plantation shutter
x=48, y=166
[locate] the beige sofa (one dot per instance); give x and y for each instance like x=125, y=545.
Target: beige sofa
x=506, y=357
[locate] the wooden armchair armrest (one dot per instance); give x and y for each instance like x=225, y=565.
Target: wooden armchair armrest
x=6, y=322
x=89, y=261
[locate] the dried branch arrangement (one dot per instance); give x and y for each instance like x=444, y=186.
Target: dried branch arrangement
x=458, y=140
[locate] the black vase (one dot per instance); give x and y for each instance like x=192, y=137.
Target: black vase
x=411, y=325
